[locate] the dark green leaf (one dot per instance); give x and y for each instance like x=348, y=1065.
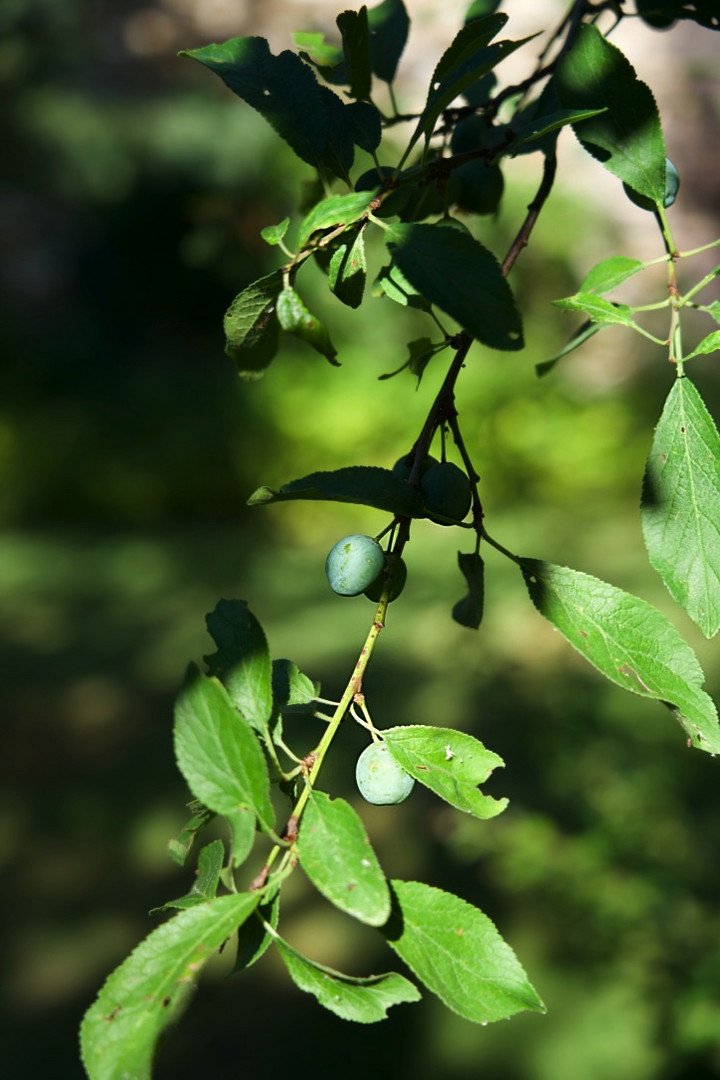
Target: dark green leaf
x=333, y=211
x=455, y=272
x=295, y=318
x=364, y=484
x=366, y=125
x=210, y=864
x=709, y=344
x=467, y=59
x=353, y=25
x=253, y=939
x=389, y=24
x=336, y=855
x=627, y=640
x=391, y=282
x=364, y=1000
x=586, y=331
x=450, y=763
x=681, y=505
x=457, y=952
x=147, y=991
x=273, y=234
x=281, y=88
x=347, y=271
x=242, y=661
x=469, y=611
x=628, y=138
x=530, y=129
x=290, y=686
x=340, y=147
x=609, y=273
x=252, y=333
x=602, y=311
x=179, y=849
x=219, y=754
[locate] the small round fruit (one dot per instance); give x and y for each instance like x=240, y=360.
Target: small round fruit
x=353, y=564
x=446, y=491
x=380, y=779
x=396, y=570
x=403, y=466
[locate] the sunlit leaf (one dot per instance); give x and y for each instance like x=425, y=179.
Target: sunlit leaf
x=242, y=661
x=252, y=332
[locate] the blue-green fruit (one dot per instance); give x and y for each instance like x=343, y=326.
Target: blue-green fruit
x=446, y=491
x=380, y=779
x=353, y=564
x=396, y=570
x=403, y=466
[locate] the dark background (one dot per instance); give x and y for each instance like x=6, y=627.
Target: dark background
x=132, y=195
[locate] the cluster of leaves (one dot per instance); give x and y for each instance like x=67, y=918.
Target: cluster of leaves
x=229, y=725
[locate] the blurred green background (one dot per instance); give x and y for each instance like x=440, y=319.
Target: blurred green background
x=133, y=193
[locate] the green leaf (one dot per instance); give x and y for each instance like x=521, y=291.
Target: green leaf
x=366, y=123
x=531, y=128
x=601, y=311
x=457, y=952
x=319, y=51
x=273, y=234
x=219, y=754
x=713, y=310
x=147, y=991
x=479, y=8
x=253, y=939
x=627, y=138
x=285, y=92
x=290, y=686
x=347, y=271
x=252, y=333
x=391, y=282
x=363, y=484
x=242, y=661
x=627, y=640
x=389, y=24
x=364, y=1000
x=295, y=318
x=210, y=864
x=466, y=60
x=469, y=611
x=609, y=273
x=336, y=855
x=455, y=272
x=709, y=344
x=583, y=334
x=179, y=848
x=353, y=26
x=334, y=211
x=450, y=763
x=681, y=505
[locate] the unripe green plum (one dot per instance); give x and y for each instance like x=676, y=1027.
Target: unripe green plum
x=403, y=466
x=396, y=570
x=353, y=564
x=446, y=491
x=380, y=779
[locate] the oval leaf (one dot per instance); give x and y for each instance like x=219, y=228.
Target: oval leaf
x=333, y=211
x=295, y=318
x=252, y=332
x=454, y=271
x=364, y=484
x=601, y=311
x=629, y=641
x=219, y=754
x=146, y=992
x=609, y=273
x=681, y=505
x=457, y=952
x=364, y=1000
x=450, y=763
x=627, y=138
x=242, y=662
x=336, y=855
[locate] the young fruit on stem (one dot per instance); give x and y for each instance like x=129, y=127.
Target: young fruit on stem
x=353, y=564
x=446, y=491
x=380, y=779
